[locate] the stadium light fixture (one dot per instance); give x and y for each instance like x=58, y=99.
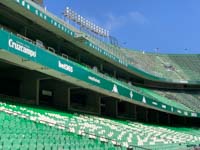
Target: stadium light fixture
x=83, y=22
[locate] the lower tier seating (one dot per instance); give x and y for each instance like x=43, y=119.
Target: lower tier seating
x=30, y=127
x=17, y=133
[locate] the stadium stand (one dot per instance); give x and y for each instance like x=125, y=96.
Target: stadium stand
x=163, y=98
x=44, y=125
x=68, y=65
x=19, y=133
x=188, y=99
x=123, y=84
x=176, y=67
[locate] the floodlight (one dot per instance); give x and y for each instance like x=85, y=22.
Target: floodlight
x=92, y=27
x=85, y=23
x=96, y=30
x=73, y=15
x=79, y=19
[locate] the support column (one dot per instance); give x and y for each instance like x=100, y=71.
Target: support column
x=99, y=105
x=37, y=92
x=115, y=73
x=79, y=58
x=101, y=67
x=157, y=116
x=184, y=120
x=147, y=115
x=116, y=108
x=69, y=98
x=168, y=119
x=59, y=46
x=135, y=111
x=25, y=31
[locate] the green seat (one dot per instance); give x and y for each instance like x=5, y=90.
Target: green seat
x=25, y=134
x=40, y=147
x=47, y=147
x=24, y=147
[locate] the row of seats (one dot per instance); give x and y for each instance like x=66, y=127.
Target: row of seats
x=188, y=63
x=175, y=67
x=123, y=133
x=189, y=99
x=19, y=133
x=162, y=97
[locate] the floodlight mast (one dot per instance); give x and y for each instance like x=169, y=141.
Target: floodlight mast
x=84, y=23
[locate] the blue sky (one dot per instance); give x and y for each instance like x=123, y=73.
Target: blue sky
x=173, y=26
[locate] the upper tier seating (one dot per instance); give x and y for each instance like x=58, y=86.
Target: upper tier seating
x=189, y=99
x=175, y=67
x=122, y=133
x=161, y=96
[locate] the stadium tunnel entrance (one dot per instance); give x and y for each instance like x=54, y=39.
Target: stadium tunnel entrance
x=32, y=87
x=135, y=112
x=126, y=110
x=54, y=92
x=84, y=100
x=18, y=82
x=108, y=106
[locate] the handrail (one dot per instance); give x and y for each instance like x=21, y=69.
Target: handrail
x=18, y=99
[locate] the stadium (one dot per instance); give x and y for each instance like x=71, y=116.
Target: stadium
x=63, y=89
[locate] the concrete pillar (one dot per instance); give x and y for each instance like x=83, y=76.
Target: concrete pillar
x=37, y=91
x=68, y=99
x=101, y=67
x=79, y=58
x=99, y=105
x=146, y=115
x=135, y=111
x=116, y=108
x=157, y=116
x=168, y=119
x=115, y=73
x=25, y=31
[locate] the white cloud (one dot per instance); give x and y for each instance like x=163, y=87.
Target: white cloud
x=116, y=22
x=138, y=17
